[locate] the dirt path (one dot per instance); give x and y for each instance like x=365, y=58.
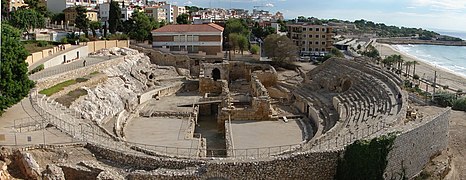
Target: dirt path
x=457, y=142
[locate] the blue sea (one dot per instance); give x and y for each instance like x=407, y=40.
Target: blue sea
x=451, y=58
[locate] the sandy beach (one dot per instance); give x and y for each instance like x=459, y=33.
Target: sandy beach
x=425, y=70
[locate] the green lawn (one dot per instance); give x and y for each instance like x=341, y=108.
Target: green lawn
x=58, y=87
x=33, y=46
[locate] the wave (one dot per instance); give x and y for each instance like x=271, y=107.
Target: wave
x=450, y=58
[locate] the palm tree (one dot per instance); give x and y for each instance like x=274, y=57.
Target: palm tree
x=408, y=66
x=414, y=64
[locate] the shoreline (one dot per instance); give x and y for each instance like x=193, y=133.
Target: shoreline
x=425, y=69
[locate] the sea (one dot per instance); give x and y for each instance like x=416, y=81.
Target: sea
x=450, y=58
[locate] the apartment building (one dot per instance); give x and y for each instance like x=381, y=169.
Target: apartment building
x=70, y=15
x=57, y=6
x=311, y=39
x=190, y=38
x=157, y=12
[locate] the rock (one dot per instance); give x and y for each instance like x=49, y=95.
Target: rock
x=29, y=166
x=109, y=175
x=53, y=172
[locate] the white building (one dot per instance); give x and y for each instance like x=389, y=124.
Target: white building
x=169, y=13
x=104, y=10
x=126, y=13
x=57, y=6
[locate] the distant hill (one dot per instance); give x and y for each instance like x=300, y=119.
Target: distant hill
x=379, y=29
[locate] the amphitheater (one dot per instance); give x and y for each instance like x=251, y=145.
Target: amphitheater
x=150, y=115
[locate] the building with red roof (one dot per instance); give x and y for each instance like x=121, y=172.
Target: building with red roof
x=190, y=38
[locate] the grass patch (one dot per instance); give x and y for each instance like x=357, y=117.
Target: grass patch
x=94, y=73
x=60, y=86
x=67, y=99
x=36, y=46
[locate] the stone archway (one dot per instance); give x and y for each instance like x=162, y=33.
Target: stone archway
x=216, y=74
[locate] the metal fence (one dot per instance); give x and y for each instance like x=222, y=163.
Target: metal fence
x=70, y=122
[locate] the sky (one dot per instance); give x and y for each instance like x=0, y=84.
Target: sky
x=427, y=14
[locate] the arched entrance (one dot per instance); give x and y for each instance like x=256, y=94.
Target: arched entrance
x=216, y=74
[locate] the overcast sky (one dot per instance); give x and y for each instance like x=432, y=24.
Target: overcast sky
x=430, y=14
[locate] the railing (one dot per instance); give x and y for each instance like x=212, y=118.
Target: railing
x=70, y=123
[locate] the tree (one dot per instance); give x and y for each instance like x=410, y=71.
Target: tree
x=27, y=19
x=114, y=17
x=280, y=48
x=139, y=26
x=59, y=18
x=255, y=49
x=233, y=41
x=35, y=5
x=182, y=19
x=414, y=63
x=81, y=21
x=260, y=32
x=94, y=25
x=243, y=43
x=5, y=9
x=14, y=81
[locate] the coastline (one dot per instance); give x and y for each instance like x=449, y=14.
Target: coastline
x=424, y=69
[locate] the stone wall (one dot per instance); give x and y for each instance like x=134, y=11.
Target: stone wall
x=160, y=92
x=208, y=85
x=413, y=148
x=310, y=165
x=94, y=46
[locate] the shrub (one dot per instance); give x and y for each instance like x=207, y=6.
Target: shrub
x=118, y=37
x=64, y=40
x=83, y=39
x=42, y=43
x=459, y=104
x=255, y=49
x=416, y=76
x=37, y=69
x=444, y=98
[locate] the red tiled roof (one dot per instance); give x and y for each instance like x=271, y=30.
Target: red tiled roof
x=190, y=28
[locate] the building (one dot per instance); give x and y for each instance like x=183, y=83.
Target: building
x=15, y=5
x=157, y=12
x=311, y=39
x=58, y=6
x=126, y=13
x=104, y=10
x=178, y=10
x=190, y=38
x=70, y=15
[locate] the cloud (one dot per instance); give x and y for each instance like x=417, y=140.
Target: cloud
x=442, y=4
x=269, y=5
x=188, y=3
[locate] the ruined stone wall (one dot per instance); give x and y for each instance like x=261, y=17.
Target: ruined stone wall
x=207, y=69
x=208, y=85
x=413, y=148
x=267, y=77
x=168, y=59
x=160, y=92
x=310, y=165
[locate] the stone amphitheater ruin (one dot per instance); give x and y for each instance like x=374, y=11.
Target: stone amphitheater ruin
x=150, y=115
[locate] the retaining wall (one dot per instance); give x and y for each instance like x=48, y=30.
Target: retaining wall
x=77, y=53
x=413, y=148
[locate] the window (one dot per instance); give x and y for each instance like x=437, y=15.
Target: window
x=323, y=29
x=317, y=49
x=323, y=36
x=304, y=36
x=310, y=36
x=310, y=29
x=317, y=36
x=317, y=42
x=323, y=43
x=304, y=29
x=317, y=29
x=323, y=49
